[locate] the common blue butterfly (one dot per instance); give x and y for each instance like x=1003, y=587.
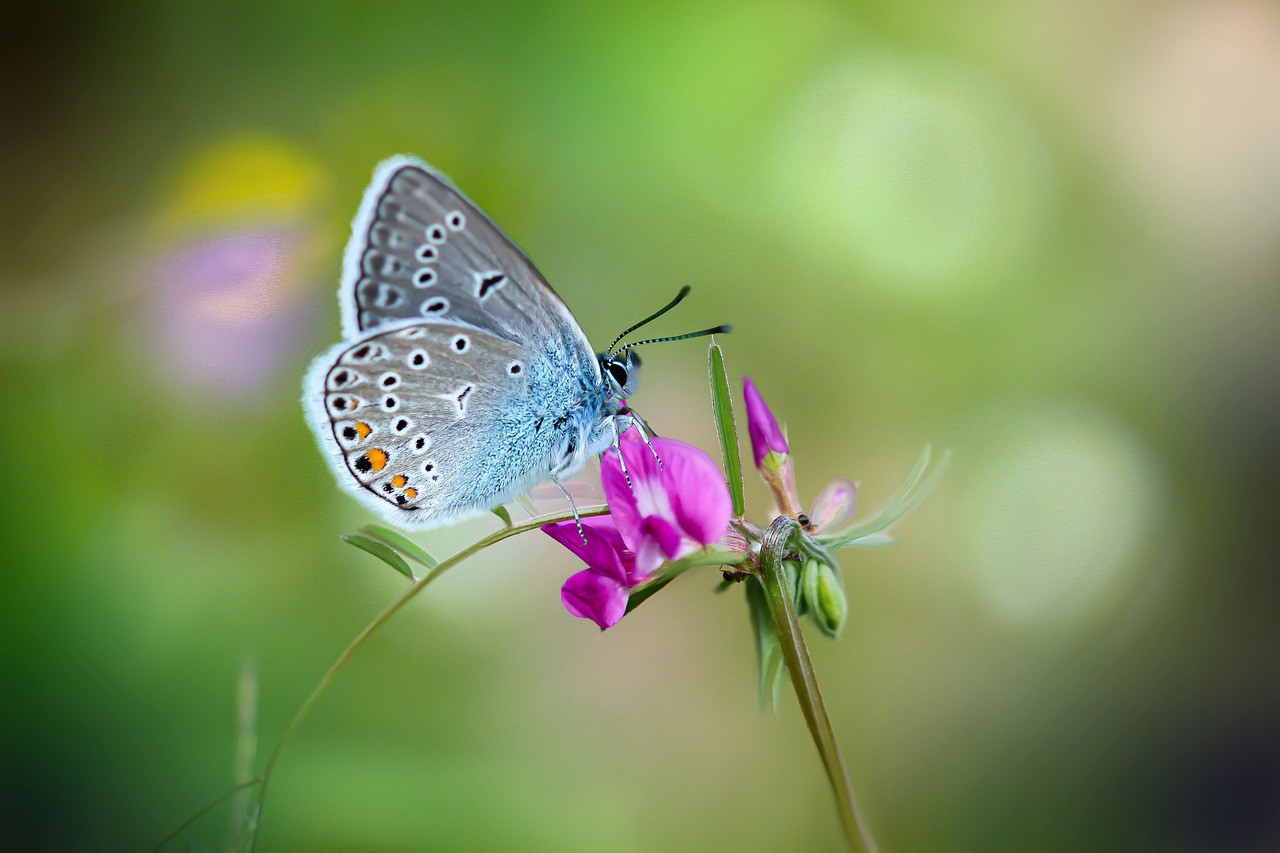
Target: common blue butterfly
x=463, y=379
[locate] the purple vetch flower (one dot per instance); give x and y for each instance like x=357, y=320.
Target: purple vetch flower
x=600, y=591
x=762, y=426
x=670, y=509
x=770, y=449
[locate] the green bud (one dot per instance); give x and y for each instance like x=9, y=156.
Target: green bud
x=825, y=594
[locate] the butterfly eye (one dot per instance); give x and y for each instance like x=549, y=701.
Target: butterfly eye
x=455, y=220
x=619, y=373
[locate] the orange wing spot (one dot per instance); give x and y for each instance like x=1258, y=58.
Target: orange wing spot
x=399, y=480
x=363, y=430
x=410, y=493
x=377, y=458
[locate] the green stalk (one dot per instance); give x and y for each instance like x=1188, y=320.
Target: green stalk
x=782, y=609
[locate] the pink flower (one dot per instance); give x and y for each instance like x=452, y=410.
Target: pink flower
x=668, y=511
x=600, y=591
x=771, y=451
x=762, y=426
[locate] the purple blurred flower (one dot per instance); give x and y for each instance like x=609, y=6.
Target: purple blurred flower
x=667, y=512
x=761, y=425
x=600, y=591
x=226, y=309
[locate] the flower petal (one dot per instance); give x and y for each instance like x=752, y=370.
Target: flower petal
x=604, y=549
x=835, y=505
x=591, y=595
x=762, y=426
x=699, y=494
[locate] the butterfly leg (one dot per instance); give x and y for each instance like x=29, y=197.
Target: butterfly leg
x=617, y=446
x=643, y=429
x=573, y=507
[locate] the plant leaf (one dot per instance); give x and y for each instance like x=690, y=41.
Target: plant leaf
x=727, y=428
x=501, y=512
x=381, y=551
x=403, y=544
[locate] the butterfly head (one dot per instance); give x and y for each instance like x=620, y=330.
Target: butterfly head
x=621, y=372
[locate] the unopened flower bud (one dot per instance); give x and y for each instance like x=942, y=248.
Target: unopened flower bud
x=822, y=590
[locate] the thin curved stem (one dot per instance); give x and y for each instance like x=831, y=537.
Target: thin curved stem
x=805, y=680
x=208, y=807
x=387, y=612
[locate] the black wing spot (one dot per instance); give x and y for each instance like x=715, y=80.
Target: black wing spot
x=424, y=277
x=363, y=465
x=402, y=500
x=362, y=352
x=461, y=343
x=462, y=399
x=514, y=368
x=427, y=253
x=391, y=403
x=387, y=487
x=349, y=433
x=340, y=403
x=402, y=425
x=436, y=306
x=455, y=220
x=489, y=283
x=435, y=233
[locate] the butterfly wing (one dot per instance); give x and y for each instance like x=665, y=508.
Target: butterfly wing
x=429, y=423
x=420, y=249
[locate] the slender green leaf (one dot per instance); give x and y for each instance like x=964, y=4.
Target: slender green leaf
x=501, y=512
x=726, y=426
x=382, y=551
x=772, y=667
x=904, y=500
x=403, y=544
x=641, y=594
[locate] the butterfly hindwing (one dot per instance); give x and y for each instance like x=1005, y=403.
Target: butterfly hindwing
x=432, y=422
x=421, y=250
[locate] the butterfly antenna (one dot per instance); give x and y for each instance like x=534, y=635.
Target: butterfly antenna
x=716, y=330
x=684, y=291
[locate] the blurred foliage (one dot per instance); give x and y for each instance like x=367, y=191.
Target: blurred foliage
x=1043, y=235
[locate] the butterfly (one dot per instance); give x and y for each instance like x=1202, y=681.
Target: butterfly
x=463, y=379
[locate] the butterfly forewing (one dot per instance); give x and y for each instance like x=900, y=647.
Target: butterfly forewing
x=421, y=250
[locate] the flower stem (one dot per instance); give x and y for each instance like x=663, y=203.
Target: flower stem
x=805, y=681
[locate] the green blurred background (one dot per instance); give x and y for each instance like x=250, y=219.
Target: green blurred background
x=1045, y=235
